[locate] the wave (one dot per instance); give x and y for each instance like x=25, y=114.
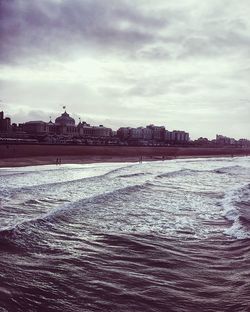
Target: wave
x=63, y=211
x=66, y=210
x=234, y=170
x=17, y=171
x=131, y=175
x=236, y=205
x=67, y=182
x=206, y=159
x=117, y=170
x=231, y=170
x=110, y=189
x=180, y=172
x=50, y=184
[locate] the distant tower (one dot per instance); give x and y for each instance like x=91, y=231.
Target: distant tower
x=1, y=113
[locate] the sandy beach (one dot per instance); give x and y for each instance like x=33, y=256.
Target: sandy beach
x=26, y=155
x=49, y=160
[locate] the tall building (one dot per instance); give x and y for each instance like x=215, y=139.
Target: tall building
x=123, y=133
x=176, y=136
x=158, y=132
x=5, y=123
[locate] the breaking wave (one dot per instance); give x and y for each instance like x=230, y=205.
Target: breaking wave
x=237, y=210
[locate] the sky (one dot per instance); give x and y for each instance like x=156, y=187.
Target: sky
x=180, y=64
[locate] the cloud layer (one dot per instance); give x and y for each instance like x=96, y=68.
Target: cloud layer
x=184, y=65
x=34, y=28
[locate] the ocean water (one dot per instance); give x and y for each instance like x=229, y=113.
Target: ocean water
x=155, y=236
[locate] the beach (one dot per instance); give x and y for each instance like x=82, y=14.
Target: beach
x=16, y=155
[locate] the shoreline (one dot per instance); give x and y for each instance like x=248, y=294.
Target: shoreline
x=15, y=155
x=51, y=160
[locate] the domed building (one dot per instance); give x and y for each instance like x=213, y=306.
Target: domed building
x=65, y=124
x=65, y=120
x=64, y=128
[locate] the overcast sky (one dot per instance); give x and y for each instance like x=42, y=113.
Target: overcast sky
x=184, y=64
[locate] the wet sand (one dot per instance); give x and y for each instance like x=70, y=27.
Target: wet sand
x=50, y=160
x=27, y=155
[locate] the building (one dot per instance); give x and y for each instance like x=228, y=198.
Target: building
x=35, y=127
x=5, y=123
x=123, y=133
x=64, y=127
x=153, y=135
x=65, y=130
x=148, y=134
x=136, y=133
x=177, y=136
x=180, y=136
x=244, y=142
x=84, y=130
x=223, y=140
x=158, y=133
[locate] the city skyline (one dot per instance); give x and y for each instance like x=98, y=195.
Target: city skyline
x=9, y=124
x=182, y=65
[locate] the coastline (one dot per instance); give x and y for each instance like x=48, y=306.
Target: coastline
x=32, y=155
x=51, y=160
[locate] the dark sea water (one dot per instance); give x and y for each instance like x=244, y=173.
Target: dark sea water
x=159, y=236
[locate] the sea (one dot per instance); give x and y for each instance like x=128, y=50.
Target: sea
x=169, y=235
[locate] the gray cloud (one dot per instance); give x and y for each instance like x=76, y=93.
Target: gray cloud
x=180, y=63
x=62, y=28
x=50, y=27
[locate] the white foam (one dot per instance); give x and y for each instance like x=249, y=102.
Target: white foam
x=237, y=231
x=105, y=194
x=231, y=213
